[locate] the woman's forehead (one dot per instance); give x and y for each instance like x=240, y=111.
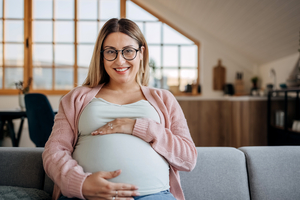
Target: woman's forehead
x=119, y=40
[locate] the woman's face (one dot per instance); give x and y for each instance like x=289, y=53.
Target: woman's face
x=120, y=70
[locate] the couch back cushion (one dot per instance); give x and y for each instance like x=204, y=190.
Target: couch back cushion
x=23, y=167
x=220, y=174
x=274, y=172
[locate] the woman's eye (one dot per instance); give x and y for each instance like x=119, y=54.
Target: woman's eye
x=128, y=50
x=110, y=51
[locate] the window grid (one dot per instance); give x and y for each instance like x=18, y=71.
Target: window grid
x=28, y=70
x=6, y=64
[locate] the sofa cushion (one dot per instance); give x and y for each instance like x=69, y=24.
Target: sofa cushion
x=22, y=167
x=274, y=172
x=220, y=174
x=13, y=193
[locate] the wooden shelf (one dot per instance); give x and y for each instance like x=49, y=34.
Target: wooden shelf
x=286, y=100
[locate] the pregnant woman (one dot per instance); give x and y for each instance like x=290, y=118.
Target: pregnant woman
x=114, y=137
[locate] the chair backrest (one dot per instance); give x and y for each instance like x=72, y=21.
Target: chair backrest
x=40, y=118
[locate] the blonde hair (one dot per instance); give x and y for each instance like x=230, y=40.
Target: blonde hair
x=97, y=74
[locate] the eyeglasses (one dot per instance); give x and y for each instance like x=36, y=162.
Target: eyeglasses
x=127, y=53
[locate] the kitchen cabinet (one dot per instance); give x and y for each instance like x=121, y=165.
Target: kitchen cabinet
x=287, y=103
x=235, y=122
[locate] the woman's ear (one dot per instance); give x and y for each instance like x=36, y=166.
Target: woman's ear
x=142, y=52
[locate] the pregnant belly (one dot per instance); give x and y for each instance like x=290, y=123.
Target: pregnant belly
x=140, y=164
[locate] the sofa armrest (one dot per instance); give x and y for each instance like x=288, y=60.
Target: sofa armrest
x=23, y=167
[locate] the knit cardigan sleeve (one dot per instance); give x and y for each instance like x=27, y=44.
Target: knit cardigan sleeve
x=57, y=156
x=172, y=140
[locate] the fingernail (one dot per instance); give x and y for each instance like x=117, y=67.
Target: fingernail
x=137, y=194
x=94, y=133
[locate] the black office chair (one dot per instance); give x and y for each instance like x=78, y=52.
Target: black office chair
x=40, y=118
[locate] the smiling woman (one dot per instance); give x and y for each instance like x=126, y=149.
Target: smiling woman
x=115, y=137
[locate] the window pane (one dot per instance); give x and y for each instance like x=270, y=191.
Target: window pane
x=1, y=77
x=100, y=25
x=82, y=73
x=13, y=75
x=64, y=31
x=188, y=76
x=188, y=56
x=109, y=9
x=14, y=31
x=42, y=31
x=170, y=56
x=63, y=79
x=1, y=54
x=171, y=36
x=42, y=55
x=153, y=32
x=87, y=32
x=42, y=78
x=170, y=77
x=42, y=9
x=134, y=12
x=1, y=32
x=64, y=55
x=141, y=26
x=64, y=9
x=1, y=8
x=14, y=9
x=155, y=54
x=87, y=9
x=14, y=54
x=155, y=78
x=85, y=53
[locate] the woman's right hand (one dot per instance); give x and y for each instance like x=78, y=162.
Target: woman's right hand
x=96, y=186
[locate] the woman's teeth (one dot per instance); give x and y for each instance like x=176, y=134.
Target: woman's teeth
x=121, y=70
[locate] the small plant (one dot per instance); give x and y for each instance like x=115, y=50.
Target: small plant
x=22, y=88
x=254, y=79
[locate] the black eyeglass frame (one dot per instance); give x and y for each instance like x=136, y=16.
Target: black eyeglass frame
x=117, y=53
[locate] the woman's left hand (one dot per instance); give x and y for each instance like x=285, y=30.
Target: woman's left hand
x=120, y=125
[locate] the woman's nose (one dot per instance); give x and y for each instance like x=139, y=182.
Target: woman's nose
x=120, y=59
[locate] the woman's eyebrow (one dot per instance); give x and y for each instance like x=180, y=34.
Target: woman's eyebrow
x=107, y=46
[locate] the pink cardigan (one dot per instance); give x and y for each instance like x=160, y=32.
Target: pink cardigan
x=171, y=139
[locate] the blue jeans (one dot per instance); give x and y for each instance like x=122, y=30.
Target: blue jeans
x=163, y=195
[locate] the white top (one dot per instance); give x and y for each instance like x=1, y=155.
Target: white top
x=140, y=164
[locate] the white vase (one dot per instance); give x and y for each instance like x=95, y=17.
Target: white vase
x=22, y=101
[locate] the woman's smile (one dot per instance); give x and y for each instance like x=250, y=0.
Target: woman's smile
x=121, y=70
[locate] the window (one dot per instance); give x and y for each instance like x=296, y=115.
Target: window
x=173, y=57
x=12, y=43
x=52, y=41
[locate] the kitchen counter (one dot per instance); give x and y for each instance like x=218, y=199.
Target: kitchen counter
x=226, y=121
x=222, y=98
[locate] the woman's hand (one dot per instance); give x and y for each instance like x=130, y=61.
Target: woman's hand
x=120, y=125
x=97, y=187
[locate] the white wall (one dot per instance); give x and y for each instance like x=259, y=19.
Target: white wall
x=11, y=102
x=283, y=67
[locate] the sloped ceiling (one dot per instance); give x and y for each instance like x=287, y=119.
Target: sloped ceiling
x=262, y=30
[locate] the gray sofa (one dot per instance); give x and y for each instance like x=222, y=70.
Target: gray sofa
x=258, y=173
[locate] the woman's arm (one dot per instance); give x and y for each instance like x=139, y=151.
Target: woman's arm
x=173, y=141
x=57, y=158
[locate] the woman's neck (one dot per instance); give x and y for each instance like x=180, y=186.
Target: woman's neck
x=122, y=88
